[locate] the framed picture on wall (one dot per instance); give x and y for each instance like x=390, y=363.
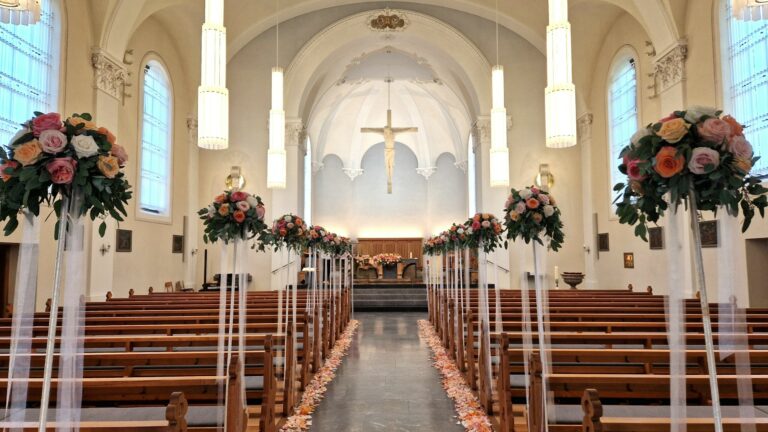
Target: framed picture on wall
x=123, y=240
x=709, y=235
x=656, y=238
x=603, y=242
x=177, y=244
x=629, y=260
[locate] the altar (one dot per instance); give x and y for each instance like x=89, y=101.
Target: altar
x=394, y=272
x=409, y=267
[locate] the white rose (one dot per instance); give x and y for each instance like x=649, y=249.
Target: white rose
x=85, y=146
x=290, y=225
x=460, y=231
x=252, y=201
x=18, y=135
x=470, y=230
x=211, y=210
x=287, y=218
x=549, y=210
x=525, y=193
x=640, y=134
x=696, y=112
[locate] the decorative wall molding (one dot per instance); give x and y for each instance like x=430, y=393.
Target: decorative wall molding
x=481, y=132
x=317, y=166
x=296, y=135
x=669, y=67
x=584, y=127
x=353, y=173
x=388, y=20
x=462, y=165
x=110, y=75
x=426, y=172
x=191, y=124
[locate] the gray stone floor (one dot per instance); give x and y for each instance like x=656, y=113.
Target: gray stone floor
x=387, y=382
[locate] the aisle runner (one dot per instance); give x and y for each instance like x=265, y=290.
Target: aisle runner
x=470, y=412
x=301, y=420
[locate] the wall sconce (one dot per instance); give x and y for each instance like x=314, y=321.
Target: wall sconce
x=544, y=179
x=235, y=179
x=104, y=249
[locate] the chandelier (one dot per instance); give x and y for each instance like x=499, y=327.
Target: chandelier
x=276, y=157
x=19, y=12
x=499, y=157
x=212, y=95
x=560, y=94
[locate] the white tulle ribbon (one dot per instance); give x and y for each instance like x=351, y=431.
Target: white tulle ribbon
x=525, y=309
x=542, y=314
x=485, y=323
x=222, y=334
x=733, y=295
x=675, y=313
x=70, y=389
x=23, y=322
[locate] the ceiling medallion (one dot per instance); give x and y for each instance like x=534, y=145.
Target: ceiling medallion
x=388, y=20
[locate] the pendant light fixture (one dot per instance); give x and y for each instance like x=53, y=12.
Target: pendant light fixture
x=276, y=156
x=499, y=157
x=212, y=95
x=560, y=94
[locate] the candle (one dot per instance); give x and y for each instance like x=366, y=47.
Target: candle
x=410, y=254
x=557, y=272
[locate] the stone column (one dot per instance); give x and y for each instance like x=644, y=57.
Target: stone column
x=490, y=200
x=669, y=71
x=109, y=79
x=584, y=124
x=288, y=200
x=192, y=222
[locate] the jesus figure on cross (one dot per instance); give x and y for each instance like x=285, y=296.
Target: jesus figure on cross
x=389, y=134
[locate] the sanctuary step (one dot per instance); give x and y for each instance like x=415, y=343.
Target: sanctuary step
x=396, y=296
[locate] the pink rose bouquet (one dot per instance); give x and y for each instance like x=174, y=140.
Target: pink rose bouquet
x=531, y=214
x=234, y=215
x=288, y=230
x=51, y=158
x=694, y=150
x=483, y=229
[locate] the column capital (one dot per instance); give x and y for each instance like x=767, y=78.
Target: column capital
x=353, y=173
x=426, y=172
x=584, y=127
x=296, y=134
x=481, y=132
x=669, y=66
x=110, y=75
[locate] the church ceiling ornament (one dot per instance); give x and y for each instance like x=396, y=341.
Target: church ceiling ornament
x=109, y=75
x=353, y=173
x=426, y=172
x=388, y=20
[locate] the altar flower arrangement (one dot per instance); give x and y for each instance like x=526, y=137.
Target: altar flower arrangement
x=486, y=229
x=387, y=259
x=51, y=158
x=288, y=230
x=232, y=215
x=697, y=150
x=531, y=213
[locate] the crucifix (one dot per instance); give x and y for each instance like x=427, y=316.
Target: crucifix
x=389, y=134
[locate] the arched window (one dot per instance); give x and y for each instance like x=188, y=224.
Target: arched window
x=622, y=111
x=29, y=69
x=745, y=69
x=156, y=143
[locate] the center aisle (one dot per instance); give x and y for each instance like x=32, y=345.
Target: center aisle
x=386, y=382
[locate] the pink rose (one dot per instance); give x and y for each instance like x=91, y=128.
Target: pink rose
x=243, y=206
x=703, y=157
x=520, y=207
x=476, y=225
x=740, y=147
x=509, y=201
x=486, y=224
x=668, y=118
x=544, y=199
x=52, y=141
x=62, y=170
x=633, y=170
x=239, y=196
x=535, y=190
x=714, y=130
x=119, y=152
x=50, y=121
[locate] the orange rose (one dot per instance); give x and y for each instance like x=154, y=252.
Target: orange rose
x=513, y=215
x=220, y=198
x=239, y=216
x=742, y=164
x=28, y=153
x=298, y=220
x=283, y=232
x=224, y=210
x=87, y=124
x=108, y=165
x=110, y=136
x=532, y=203
x=668, y=162
x=736, y=127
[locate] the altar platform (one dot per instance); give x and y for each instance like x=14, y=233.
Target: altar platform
x=390, y=295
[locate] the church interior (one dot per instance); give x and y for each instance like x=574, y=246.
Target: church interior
x=367, y=215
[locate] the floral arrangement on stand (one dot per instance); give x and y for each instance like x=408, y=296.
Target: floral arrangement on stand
x=697, y=152
x=457, y=235
x=434, y=245
x=484, y=229
x=386, y=259
x=288, y=230
x=531, y=212
x=49, y=159
x=316, y=237
x=232, y=215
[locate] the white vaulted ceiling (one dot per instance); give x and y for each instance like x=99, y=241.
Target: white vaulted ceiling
x=358, y=98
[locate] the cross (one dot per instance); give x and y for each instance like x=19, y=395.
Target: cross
x=389, y=134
